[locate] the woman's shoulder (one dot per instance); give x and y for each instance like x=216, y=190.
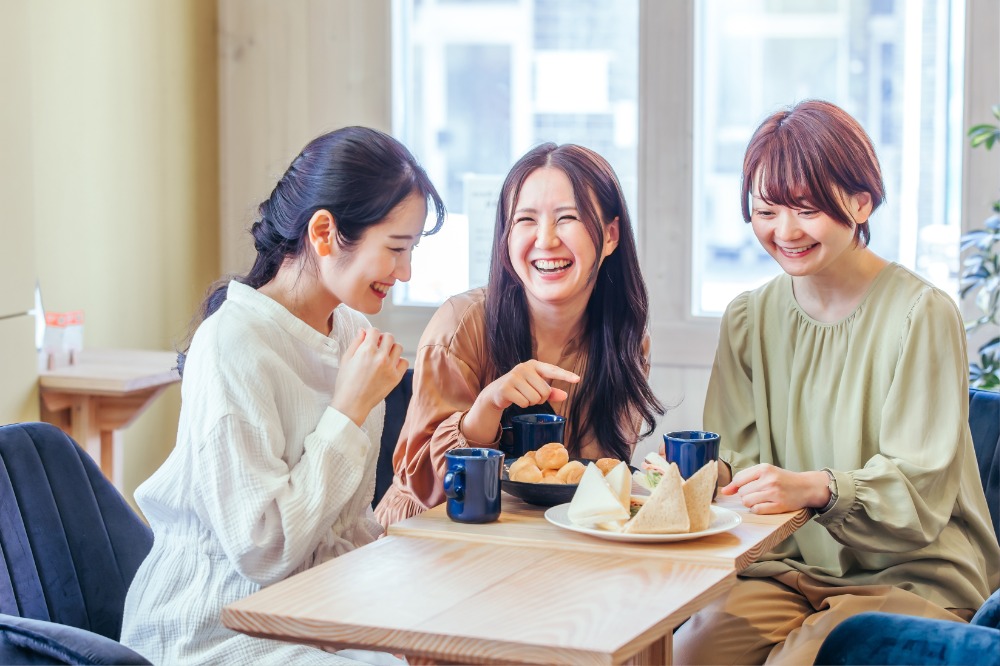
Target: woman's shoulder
x=460, y=314
x=458, y=328
x=904, y=292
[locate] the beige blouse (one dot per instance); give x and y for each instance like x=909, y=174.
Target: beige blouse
x=880, y=399
x=450, y=372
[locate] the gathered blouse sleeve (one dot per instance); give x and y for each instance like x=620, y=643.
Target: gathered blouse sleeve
x=269, y=516
x=904, y=496
x=447, y=379
x=729, y=403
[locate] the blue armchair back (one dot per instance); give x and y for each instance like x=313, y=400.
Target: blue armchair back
x=69, y=542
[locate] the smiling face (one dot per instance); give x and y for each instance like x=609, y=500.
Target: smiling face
x=550, y=244
x=806, y=241
x=360, y=277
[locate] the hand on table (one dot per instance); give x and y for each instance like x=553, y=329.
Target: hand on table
x=766, y=488
x=369, y=369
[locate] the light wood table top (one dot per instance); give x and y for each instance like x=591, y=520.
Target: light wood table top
x=515, y=590
x=524, y=524
x=112, y=372
x=466, y=602
x=103, y=392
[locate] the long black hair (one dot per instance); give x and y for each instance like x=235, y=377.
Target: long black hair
x=357, y=174
x=616, y=315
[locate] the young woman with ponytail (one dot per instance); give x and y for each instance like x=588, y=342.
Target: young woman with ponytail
x=282, y=404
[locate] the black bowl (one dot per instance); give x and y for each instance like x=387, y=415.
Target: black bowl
x=540, y=494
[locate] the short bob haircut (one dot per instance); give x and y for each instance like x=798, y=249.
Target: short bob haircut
x=813, y=155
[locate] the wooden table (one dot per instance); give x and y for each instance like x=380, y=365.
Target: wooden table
x=102, y=392
x=517, y=590
x=523, y=524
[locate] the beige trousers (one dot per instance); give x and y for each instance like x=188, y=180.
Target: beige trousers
x=783, y=620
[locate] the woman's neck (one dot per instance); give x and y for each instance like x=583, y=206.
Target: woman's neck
x=299, y=293
x=833, y=295
x=554, y=326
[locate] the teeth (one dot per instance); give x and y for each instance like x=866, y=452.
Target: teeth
x=383, y=288
x=552, y=264
x=797, y=250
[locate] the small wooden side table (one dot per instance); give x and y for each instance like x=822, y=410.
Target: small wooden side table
x=104, y=391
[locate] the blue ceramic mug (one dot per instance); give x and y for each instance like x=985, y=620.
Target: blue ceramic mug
x=472, y=484
x=691, y=450
x=532, y=431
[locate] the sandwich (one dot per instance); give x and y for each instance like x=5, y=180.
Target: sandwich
x=674, y=506
x=665, y=510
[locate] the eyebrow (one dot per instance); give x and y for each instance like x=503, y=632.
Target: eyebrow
x=558, y=209
x=402, y=237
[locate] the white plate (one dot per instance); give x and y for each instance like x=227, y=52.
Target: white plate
x=723, y=520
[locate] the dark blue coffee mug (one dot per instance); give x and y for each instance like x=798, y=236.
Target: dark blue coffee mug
x=532, y=431
x=472, y=484
x=690, y=449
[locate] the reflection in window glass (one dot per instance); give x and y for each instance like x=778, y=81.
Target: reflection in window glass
x=479, y=82
x=887, y=63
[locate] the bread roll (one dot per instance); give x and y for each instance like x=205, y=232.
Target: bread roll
x=607, y=464
x=552, y=456
x=550, y=473
x=524, y=470
x=571, y=472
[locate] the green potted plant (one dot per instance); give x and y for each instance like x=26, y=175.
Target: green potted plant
x=981, y=276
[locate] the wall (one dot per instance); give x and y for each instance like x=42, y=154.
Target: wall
x=125, y=203
x=288, y=72
x=18, y=368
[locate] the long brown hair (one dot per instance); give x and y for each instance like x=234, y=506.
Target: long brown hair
x=617, y=312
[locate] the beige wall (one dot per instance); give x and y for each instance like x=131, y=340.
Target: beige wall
x=289, y=71
x=125, y=178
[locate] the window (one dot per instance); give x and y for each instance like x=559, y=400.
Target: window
x=477, y=83
x=887, y=62
x=670, y=92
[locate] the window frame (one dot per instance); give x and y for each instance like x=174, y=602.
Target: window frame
x=665, y=157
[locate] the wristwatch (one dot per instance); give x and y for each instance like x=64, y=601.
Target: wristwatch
x=832, y=486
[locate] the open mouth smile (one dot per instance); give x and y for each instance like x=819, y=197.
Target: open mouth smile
x=796, y=251
x=381, y=290
x=550, y=266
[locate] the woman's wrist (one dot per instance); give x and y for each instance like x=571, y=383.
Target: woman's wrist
x=480, y=424
x=823, y=493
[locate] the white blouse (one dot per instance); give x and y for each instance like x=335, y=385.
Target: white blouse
x=266, y=480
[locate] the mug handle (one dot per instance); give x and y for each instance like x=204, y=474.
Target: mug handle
x=454, y=482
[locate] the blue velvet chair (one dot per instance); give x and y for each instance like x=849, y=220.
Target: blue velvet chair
x=69, y=548
x=888, y=638
x=396, y=404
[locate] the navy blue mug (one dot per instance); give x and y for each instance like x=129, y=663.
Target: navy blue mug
x=691, y=450
x=472, y=484
x=532, y=431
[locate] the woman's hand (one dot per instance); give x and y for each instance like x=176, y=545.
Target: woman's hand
x=526, y=384
x=369, y=369
x=765, y=488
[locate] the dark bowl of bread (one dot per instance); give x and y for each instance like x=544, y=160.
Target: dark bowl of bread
x=548, y=476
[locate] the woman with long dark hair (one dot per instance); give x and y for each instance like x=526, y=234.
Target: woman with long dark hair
x=282, y=404
x=560, y=327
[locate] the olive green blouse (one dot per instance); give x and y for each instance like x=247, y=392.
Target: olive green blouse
x=880, y=399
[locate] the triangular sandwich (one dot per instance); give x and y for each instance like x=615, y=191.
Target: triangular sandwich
x=698, y=492
x=594, y=502
x=664, y=512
